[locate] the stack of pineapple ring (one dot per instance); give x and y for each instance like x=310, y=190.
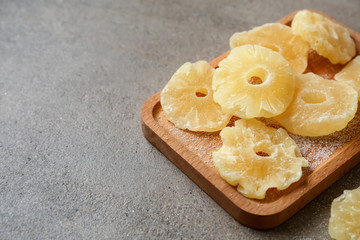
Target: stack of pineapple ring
x=263, y=76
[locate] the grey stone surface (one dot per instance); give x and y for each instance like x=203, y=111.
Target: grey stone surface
x=73, y=76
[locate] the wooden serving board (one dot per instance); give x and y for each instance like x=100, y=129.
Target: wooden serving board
x=329, y=157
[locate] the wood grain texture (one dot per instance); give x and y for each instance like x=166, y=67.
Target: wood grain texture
x=191, y=152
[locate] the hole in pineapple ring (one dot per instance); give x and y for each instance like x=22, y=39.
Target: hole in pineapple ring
x=254, y=80
x=313, y=97
x=262, y=154
x=201, y=92
x=257, y=76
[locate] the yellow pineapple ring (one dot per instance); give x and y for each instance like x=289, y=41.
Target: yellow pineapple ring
x=255, y=157
x=279, y=38
x=253, y=81
x=329, y=39
x=344, y=221
x=187, y=99
x=320, y=106
x=350, y=74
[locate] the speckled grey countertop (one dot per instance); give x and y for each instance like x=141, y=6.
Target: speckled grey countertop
x=73, y=76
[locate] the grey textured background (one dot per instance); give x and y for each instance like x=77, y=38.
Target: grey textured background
x=73, y=76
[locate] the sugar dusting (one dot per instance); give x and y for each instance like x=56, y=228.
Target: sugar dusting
x=318, y=149
x=315, y=149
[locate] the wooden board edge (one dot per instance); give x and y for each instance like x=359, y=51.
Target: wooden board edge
x=267, y=215
x=260, y=220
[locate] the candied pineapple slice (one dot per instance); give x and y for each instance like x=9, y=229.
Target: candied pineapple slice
x=344, y=221
x=187, y=99
x=329, y=39
x=350, y=74
x=255, y=157
x=320, y=106
x=253, y=81
x=279, y=38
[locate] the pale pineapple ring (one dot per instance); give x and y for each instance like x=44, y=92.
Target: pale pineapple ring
x=279, y=38
x=255, y=157
x=329, y=39
x=350, y=74
x=320, y=107
x=344, y=222
x=187, y=99
x=253, y=81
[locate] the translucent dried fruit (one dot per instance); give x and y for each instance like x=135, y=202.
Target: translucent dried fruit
x=329, y=39
x=279, y=38
x=253, y=81
x=320, y=106
x=345, y=216
x=187, y=99
x=350, y=74
x=255, y=157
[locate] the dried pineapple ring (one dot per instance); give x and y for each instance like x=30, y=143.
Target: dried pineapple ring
x=253, y=81
x=256, y=157
x=350, y=74
x=329, y=39
x=320, y=106
x=187, y=99
x=279, y=38
x=344, y=221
